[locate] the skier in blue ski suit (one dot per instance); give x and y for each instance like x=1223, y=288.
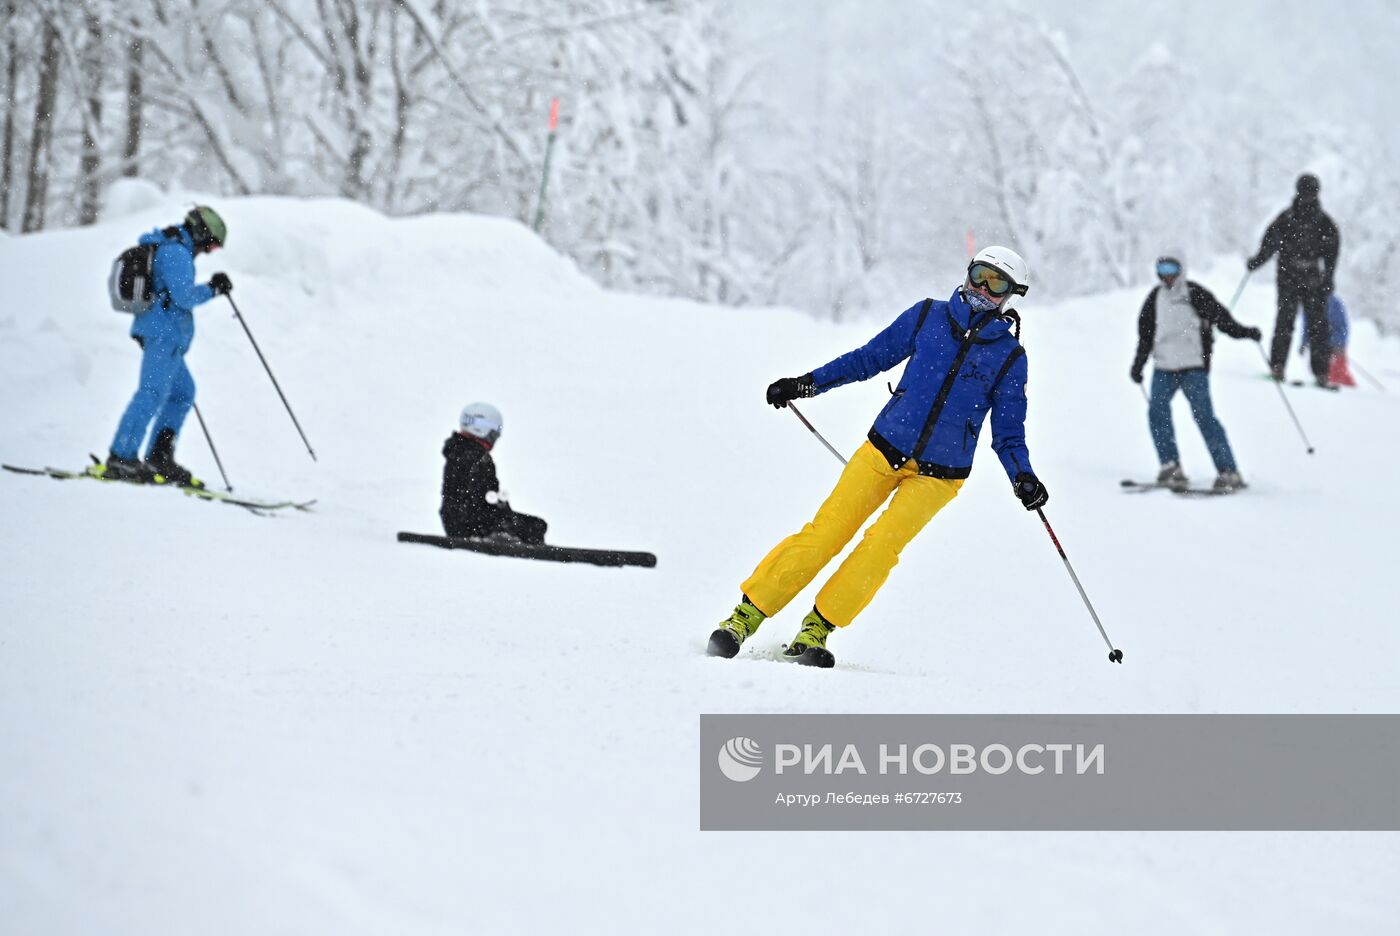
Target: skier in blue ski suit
x=165, y=331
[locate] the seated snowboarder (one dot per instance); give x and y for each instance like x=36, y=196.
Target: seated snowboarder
x=472, y=503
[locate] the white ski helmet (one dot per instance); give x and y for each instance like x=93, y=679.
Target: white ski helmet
x=1009, y=263
x=481, y=420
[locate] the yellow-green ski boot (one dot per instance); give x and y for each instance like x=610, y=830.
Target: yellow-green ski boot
x=809, y=646
x=734, y=630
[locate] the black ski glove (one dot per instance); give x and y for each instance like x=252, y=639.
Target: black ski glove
x=1253, y=263
x=1030, y=491
x=784, y=390
x=1136, y=374
x=1253, y=334
x=221, y=284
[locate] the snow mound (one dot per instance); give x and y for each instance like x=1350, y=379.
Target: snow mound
x=129, y=196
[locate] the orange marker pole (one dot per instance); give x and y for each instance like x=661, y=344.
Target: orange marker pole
x=548, y=155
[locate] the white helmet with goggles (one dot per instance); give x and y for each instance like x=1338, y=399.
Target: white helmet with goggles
x=481, y=420
x=999, y=270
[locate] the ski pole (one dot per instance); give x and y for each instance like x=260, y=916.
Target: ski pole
x=813, y=429
x=1145, y=398
x=1284, y=397
x=210, y=439
x=1239, y=291
x=1114, y=654
x=1362, y=371
x=276, y=386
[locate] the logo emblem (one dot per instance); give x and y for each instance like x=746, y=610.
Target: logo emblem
x=975, y=372
x=740, y=759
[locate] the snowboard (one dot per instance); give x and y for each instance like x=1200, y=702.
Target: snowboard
x=518, y=550
x=256, y=506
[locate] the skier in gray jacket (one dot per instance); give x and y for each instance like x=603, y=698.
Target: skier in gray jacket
x=1176, y=327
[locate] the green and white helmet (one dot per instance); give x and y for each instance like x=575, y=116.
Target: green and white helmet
x=206, y=227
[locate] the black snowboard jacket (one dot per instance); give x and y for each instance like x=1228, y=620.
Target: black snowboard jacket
x=468, y=476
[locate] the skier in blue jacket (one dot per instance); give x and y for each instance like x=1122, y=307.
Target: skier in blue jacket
x=964, y=363
x=164, y=331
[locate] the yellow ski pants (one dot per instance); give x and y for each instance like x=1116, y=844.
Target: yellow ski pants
x=865, y=484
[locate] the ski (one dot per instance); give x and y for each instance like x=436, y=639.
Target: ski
x=812, y=656
x=723, y=644
x=601, y=557
x=819, y=657
x=255, y=506
x=1138, y=487
x=1303, y=384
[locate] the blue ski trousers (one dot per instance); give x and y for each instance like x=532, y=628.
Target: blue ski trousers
x=165, y=394
x=1195, y=383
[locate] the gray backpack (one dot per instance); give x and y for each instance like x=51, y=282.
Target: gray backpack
x=130, y=284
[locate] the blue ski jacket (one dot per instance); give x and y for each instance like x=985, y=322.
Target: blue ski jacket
x=174, y=293
x=962, y=366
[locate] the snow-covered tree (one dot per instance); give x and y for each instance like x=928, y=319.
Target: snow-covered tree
x=688, y=159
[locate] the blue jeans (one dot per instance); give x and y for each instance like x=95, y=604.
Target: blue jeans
x=1195, y=383
x=165, y=394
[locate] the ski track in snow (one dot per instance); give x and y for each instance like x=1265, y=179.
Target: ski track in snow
x=214, y=722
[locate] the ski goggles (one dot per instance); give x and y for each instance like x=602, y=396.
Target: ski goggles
x=988, y=277
x=1167, y=267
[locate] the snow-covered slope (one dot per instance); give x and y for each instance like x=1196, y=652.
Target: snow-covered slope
x=212, y=722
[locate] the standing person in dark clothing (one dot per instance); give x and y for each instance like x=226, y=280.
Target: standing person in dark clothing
x=1307, y=242
x=472, y=503
x=1176, y=327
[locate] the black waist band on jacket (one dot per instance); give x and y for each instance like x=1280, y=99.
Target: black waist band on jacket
x=898, y=459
